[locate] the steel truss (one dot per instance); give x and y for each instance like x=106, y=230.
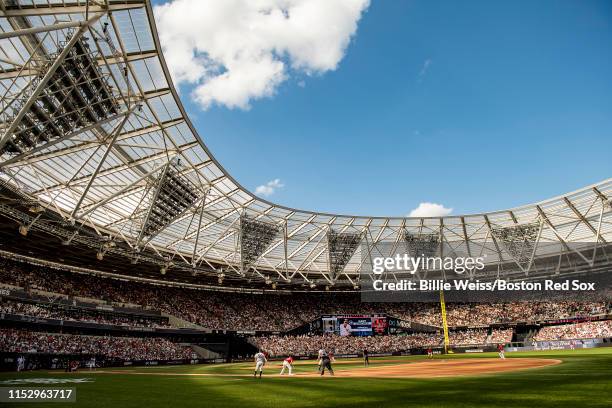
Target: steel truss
x=519, y=241
x=89, y=120
x=341, y=247
x=68, y=93
x=255, y=237
x=173, y=195
x=426, y=245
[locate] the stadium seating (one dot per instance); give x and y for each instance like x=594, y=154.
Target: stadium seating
x=115, y=348
x=242, y=311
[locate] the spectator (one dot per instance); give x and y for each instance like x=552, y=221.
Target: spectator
x=118, y=348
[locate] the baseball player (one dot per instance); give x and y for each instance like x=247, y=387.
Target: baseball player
x=429, y=352
x=20, y=363
x=366, y=358
x=501, y=352
x=92, y=363
x=288, y=364
x=260, y=362
x=325, y=362
x=319, y=359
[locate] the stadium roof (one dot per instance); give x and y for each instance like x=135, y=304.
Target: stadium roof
x=93, y=131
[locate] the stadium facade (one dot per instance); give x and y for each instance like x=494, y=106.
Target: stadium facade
x=102, y=170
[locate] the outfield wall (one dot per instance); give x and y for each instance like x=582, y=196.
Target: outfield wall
x=561, y=345
x=37, y=361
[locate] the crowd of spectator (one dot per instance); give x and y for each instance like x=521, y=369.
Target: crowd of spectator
x=308, y=345
x=501, y=336
x=467, y=337
x=76, y=314
x=488, y=313
x=117, y=348
x=215, y=310
x=274, y=312
x=585, y=330
x=278, y=346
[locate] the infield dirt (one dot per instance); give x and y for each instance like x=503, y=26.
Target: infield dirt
x=446, y=368
x=421, y=369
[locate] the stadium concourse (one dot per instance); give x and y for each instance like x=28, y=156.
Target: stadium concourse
x=125, y=241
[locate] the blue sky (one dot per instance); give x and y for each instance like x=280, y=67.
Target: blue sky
x=474, y=105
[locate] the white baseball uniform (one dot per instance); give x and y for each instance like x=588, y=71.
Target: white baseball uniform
x=260, y=361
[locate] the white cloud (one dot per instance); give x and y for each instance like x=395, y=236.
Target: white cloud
x=236, y=51
x=430, y=210
x=269, y=188
x=424, y=69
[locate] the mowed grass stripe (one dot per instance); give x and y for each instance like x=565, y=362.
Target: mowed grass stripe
x=583, y=379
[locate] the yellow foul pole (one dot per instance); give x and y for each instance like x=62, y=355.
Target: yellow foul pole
x=444, y=325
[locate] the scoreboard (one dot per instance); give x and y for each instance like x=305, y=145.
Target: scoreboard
x=355, y=325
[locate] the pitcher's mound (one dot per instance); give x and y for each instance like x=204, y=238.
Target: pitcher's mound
x=447, y=368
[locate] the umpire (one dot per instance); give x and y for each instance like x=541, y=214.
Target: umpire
x=326, y=363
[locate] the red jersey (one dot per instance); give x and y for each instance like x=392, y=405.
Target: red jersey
x=289, y=360
x=500, y=347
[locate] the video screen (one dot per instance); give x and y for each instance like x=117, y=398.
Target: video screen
x=355, y=325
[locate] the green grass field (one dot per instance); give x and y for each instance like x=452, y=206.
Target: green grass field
x=584, y=379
